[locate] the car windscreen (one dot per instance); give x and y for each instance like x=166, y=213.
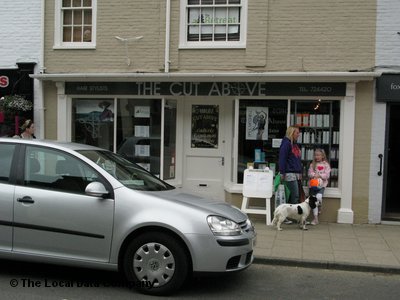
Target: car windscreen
x=129, y=174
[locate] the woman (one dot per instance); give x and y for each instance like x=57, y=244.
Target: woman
x=28, y=130
x=290, y=166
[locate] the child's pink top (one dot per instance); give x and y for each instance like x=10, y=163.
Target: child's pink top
x=323, y=169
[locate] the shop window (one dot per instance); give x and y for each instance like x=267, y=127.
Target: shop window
x=139, y=132
x=319, y=123
x=262, y=125
x=93, y=122
x=213, y=23
x=75, y=23
x=169, y=140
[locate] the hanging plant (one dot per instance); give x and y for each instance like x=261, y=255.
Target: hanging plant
x=15, y=103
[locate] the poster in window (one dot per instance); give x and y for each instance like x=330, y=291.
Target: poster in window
x=142, y=112
x=94, y=111
x=142, y=131
x=256, y=123
x=205, y=123
x=93, y=120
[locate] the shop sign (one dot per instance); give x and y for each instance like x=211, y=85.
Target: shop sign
x=388, y=88
x=207, y=88
x=205, y=121
x=7, y=78
x=4, y=81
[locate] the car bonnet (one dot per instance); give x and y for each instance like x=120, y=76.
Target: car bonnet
x=213, y=207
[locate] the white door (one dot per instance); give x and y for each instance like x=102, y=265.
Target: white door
x=204, y=142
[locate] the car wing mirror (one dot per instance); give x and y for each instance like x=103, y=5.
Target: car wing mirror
x=96, y=189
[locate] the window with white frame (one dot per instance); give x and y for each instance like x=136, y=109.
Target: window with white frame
x=75, y=23
x=213, y=23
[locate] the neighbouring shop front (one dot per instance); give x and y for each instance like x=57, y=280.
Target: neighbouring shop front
x=15, y=82
x=202, y=135
x=388, y=93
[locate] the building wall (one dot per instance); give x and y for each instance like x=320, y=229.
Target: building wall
x=287, y=35
x=20, y=32
x=321, y=35
x=362, y=150
x=282, y=36
x=50, y=113
x=387, y=37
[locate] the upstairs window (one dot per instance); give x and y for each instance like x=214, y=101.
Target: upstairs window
x=213, y=23
x=75, y=23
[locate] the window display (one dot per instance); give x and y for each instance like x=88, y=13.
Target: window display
x=319, y=123
x=258, y=143
x=139, y=132
x=93, y=122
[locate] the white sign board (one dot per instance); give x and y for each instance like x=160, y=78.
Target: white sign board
x=258, y=183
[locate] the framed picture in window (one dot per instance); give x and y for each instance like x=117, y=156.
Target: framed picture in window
x=257, y=123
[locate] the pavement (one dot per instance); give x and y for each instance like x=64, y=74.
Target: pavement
x=367, y=247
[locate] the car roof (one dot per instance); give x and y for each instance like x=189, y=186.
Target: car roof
x=51, y=143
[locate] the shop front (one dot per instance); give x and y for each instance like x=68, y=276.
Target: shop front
x=15, y=82
x=388, y=96
x=201, y=135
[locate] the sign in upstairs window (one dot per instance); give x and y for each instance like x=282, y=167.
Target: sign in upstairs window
x=75, y=23
x=213, y=23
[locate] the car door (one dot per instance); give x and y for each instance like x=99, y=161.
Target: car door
x=53, y=215
x=6, y=195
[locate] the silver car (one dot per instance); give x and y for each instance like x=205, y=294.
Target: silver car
x=80, y=205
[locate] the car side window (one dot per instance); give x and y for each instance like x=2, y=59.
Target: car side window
x=56, y=170
x=6, y=155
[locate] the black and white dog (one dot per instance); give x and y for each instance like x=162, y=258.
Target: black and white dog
x=297, y=212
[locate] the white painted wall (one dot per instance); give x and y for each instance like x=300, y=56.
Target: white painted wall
x=20, y=33
x=21, y=42
x=387, y=37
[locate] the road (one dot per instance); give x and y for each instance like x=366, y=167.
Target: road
x=34, y=281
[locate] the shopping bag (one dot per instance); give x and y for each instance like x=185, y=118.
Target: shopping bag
x=280, y=196
x=277, y=182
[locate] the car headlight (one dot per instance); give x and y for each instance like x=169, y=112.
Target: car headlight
x=223, y=226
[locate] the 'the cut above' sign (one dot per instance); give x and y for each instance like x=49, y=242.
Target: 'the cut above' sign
x=207, y=88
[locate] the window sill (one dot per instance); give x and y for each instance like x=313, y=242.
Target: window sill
x=212, y=46
x=236, y=188
x=75, y=47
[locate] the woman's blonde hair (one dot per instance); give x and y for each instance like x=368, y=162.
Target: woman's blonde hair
x=290, y=132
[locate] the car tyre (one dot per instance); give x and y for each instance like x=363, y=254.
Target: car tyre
x=156, y=263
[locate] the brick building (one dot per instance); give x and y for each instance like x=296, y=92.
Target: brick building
x=180, y=87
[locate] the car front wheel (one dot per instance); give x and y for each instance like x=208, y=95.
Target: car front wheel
x=156, y=263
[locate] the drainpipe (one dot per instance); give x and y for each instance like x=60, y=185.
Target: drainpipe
x=39, y=103
x=166, y=70
x=167, y=34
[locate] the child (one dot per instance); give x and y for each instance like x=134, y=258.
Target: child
x=319, y=170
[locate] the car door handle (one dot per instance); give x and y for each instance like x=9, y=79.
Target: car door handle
x=26, y=199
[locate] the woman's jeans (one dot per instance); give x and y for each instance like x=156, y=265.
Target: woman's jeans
x=294, y=191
